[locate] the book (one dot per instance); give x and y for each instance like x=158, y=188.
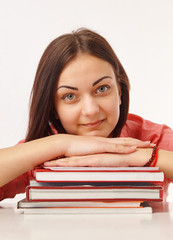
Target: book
x=99, y=174
x=128, y=191
x=90, y=190
x=24, y=203
x=70, y=209
x=34, y=183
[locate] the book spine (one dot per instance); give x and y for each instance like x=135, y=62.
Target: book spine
x=27, y=193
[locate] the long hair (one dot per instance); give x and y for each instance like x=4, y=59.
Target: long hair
x=58, y=53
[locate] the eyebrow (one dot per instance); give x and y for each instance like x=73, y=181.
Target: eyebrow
x=65, y=86
x=100, y=79
x=74, y=88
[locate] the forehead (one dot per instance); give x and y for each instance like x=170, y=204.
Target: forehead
x=85, y=67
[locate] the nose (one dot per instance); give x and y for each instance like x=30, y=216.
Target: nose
x=89, y=107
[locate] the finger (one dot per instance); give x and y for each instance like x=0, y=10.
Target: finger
x=117, y=148
x=52, y=163
x=67, y=162
x=132, y=142
x=97, y=160
x=85, y=161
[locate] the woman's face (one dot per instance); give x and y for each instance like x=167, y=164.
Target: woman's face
x=87, y=98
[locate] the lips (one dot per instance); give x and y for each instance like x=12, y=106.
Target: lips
x=93, y=124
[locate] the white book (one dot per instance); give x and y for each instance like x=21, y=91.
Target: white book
x=72, y=204
x=101, y=174
x=143, y=209
x=94, y=193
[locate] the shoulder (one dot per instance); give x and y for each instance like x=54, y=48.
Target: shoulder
x=137, y=127
x=146, y=130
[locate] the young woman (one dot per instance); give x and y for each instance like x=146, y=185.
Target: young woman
x=79, y=116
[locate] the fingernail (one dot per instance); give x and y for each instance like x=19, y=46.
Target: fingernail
x=133, y=147
x=152, y=144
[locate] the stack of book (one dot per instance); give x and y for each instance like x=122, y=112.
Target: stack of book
x=93, y=190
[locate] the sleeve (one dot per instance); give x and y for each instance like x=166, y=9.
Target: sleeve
x=146, y=130
x=18, y=185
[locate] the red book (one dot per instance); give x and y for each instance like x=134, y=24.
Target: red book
x=99, y=174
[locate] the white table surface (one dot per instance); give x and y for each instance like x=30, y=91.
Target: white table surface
x=14, y=225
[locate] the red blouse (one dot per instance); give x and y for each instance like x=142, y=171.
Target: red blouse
x=135, y=127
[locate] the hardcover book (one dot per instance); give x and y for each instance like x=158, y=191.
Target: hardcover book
x=85, y=207
x=100, y=174
x=128, y=191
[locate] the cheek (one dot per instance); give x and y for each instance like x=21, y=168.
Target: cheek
x=112, y=107
x=67, y=116
x=113, y=115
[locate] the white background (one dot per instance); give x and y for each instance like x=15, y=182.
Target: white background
x=140, y=32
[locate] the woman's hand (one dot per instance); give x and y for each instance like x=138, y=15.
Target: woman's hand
x=86, y=145
x=137, y=158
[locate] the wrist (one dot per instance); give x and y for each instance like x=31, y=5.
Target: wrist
x=44, y=149
x=140, y=157
x=153, y=159
x=59, y=144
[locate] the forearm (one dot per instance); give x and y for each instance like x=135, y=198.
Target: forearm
x=21, y=158
x=165, y=163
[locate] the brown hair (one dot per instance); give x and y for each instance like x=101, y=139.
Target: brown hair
x=58, y=53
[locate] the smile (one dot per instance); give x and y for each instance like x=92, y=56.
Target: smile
x=93, y=124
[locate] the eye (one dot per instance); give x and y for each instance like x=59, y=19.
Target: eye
x=102, y=89
x=69, y=97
